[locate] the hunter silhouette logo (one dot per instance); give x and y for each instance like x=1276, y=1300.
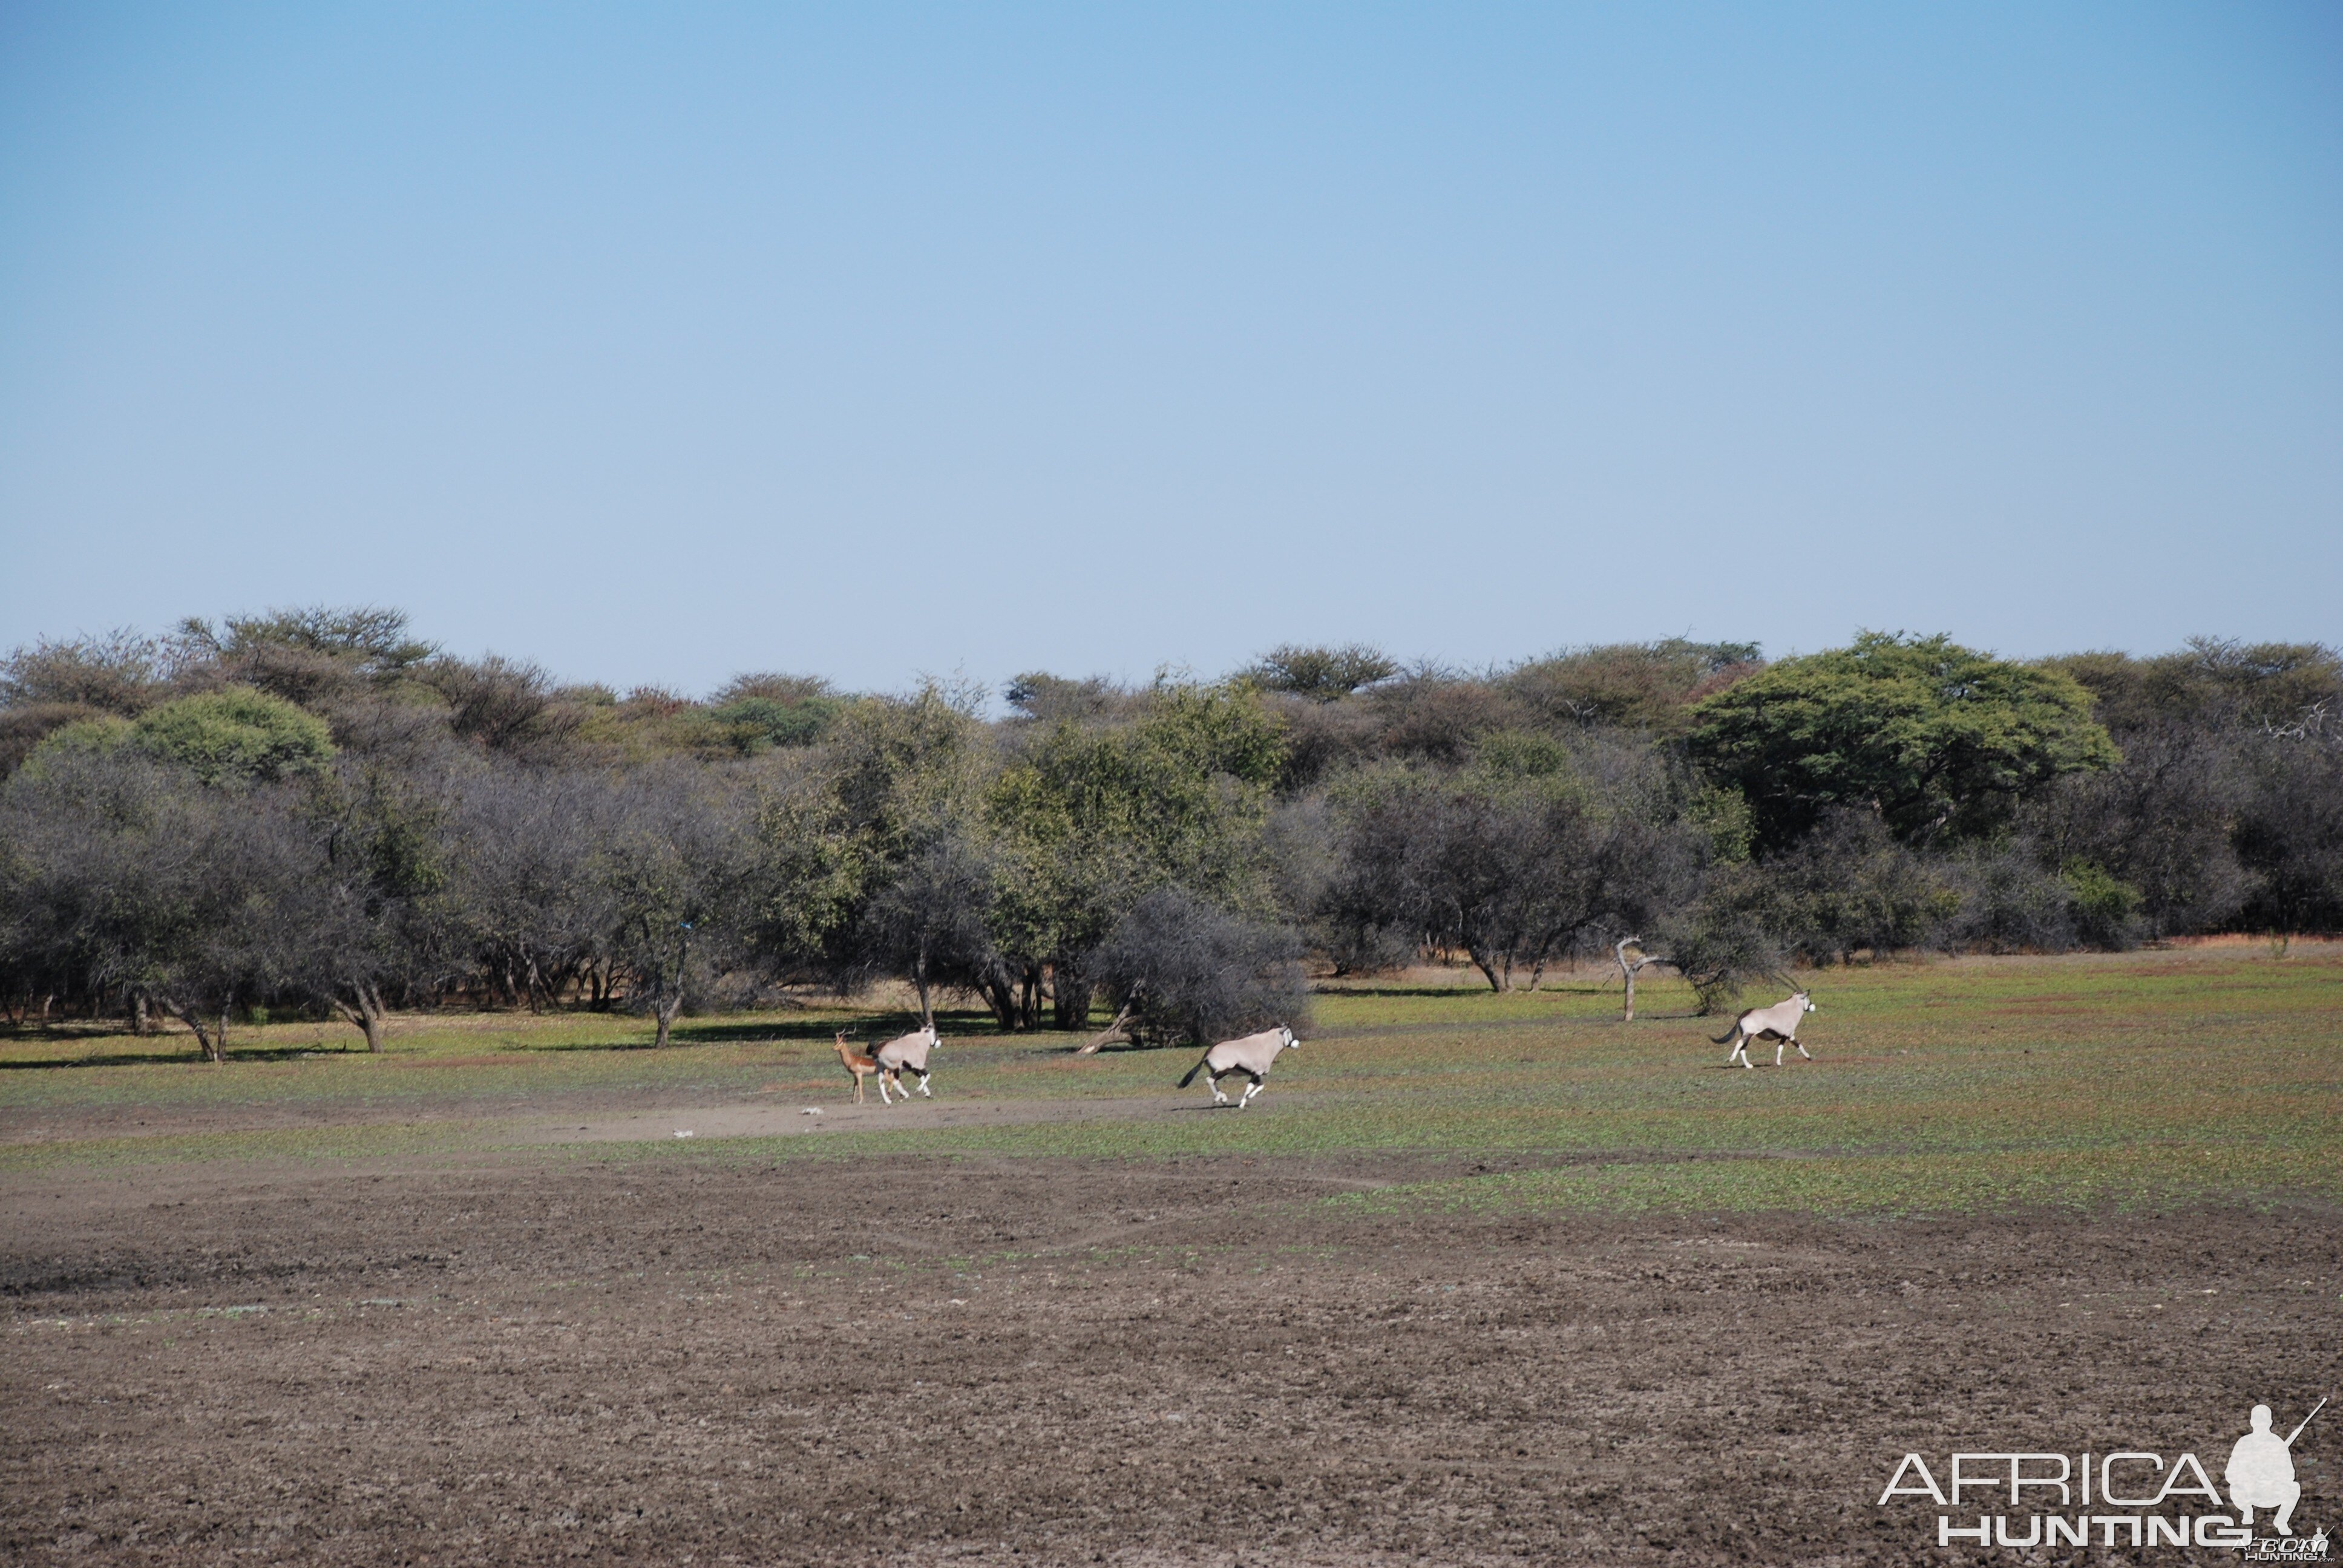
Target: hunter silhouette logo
x=2122, y=1498
x=2261, y=1471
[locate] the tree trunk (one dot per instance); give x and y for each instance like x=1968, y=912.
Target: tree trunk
x=1071, y=999
x=1002, y=997
x=367, y=1015
x=670, y=997
x=1630, y=969
x=1486, y=963
x=920, y=979
x=210, y=1042
x=142, y=1021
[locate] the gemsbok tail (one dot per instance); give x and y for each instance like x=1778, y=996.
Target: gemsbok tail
x=1193, y=1070
x=1726, y=1036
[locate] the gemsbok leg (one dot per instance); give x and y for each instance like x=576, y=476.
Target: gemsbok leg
x=1250, y=1092
x=923, y=1086
x=1741, y=1050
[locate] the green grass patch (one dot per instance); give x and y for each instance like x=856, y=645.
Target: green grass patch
x=2212, y=1075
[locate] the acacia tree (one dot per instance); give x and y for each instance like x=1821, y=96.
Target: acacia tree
x=2160, y=823
x=876, y=857
x=524, y=896
x=1322, y=674
x=1940, y=741
x=378, y=923
x=1093, y=818
x=928, y=922
x=129, y=874
x=1455, y=862
x=674, y=863
x=2291, y=829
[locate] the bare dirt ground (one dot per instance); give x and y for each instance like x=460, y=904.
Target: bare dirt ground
x=695, y=1360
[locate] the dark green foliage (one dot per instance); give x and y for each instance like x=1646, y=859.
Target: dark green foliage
x=1939, y=742
x=2225, y=810
x=380, y=930
x=672, y=869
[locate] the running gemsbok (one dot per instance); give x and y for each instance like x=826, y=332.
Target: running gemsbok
x=906, y=1054
x=1778, y=1023
x=1251, y=1056
x=854, y=1062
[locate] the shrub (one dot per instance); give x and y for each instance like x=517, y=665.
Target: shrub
x=1188, y=971
x=2105, y=912
x=234, y=733
x=757, y=723
x=1322, y=674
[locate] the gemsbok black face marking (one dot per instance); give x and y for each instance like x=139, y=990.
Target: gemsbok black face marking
x=1778, y=1023
x=1251, y=1056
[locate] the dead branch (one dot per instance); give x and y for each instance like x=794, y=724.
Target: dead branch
x=1629, y=969
x=1119, y=1029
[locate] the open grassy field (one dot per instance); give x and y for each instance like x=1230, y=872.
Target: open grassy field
x=2205, y=1074
x=1480, y=1278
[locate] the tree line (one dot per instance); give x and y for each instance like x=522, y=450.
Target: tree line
x=312, y=809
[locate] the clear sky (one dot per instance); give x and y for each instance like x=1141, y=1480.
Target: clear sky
x=664, y=342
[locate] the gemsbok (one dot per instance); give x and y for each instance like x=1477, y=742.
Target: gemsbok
x=1251, y=1056
x=1778, y=1023
x=906, y=1054
x=854, y=1062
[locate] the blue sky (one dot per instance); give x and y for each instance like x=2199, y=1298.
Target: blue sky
x=662, y=343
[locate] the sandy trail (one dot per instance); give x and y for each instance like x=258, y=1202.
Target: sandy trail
x=792, y=1119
